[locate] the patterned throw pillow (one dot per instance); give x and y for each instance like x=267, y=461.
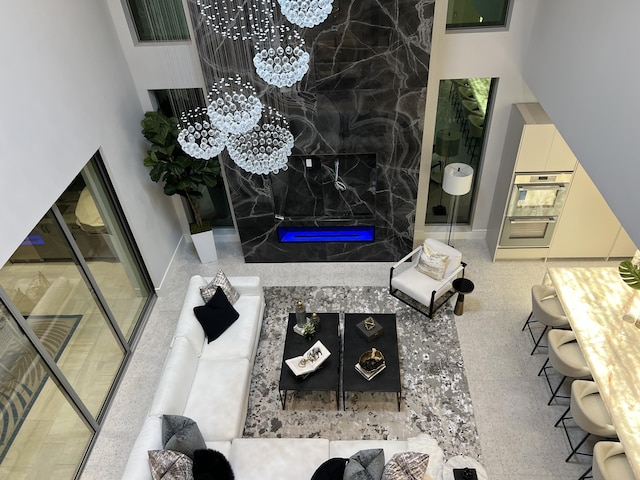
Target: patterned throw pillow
x=406, y=466
x=220, y=280
x=431, y=263
x=170, y=465
x=365, y=465
x=37, y=287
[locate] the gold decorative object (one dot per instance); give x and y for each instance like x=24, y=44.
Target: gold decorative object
x=369, y=323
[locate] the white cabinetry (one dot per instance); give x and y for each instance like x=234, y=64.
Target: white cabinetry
x=587, y=226
x=542, y=148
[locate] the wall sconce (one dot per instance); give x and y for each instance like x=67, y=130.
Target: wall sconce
x=456, y=181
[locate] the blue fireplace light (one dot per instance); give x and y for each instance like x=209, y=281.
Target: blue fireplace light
x=325, y=234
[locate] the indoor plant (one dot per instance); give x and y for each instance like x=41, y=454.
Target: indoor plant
x=630, y=271
x=180, y=174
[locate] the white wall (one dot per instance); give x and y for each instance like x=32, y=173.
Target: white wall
x=67, y=92
x=156, y=66
x=583, y=66
x=483, y=53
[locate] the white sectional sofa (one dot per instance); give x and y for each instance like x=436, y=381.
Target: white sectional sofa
x=209, y=382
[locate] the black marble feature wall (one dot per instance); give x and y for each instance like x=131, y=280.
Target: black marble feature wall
x=362, y=104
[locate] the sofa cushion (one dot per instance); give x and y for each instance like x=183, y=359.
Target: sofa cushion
x=365, y=465
x=149, y=438
x=181, y=434
x=282, y=458
x=241, y=339
x=219, y=396
x=216, y=316
x=220, y=281
x=210, y=465
x=332, y=469
x=170, y=465
x=176, y=381
x=406, y=466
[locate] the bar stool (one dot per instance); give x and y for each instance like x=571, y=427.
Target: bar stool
x=565, y=356
x=610, y=462
x=589, y=412
x=476, y=130
x=547, y=310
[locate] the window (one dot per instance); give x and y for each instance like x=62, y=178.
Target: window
x=73, y=295
x=477, y=13
x=463, y=105
x=159, y=20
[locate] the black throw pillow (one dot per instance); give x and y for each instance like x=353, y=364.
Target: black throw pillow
x=216, y=315
x=332, y=469
x=211, y=464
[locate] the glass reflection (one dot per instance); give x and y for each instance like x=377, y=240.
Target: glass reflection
x=477, y=13
x=41, y=435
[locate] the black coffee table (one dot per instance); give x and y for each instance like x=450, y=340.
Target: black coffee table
x=388, y=380
x=327, y=377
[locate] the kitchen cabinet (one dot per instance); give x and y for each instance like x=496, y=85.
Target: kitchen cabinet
x=587, y=226
x=542, y=148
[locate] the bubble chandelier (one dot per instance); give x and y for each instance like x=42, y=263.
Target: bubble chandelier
x=197, y=137
x=265, y=148
x=234, y=107
x=280, y=60
x=306, y=13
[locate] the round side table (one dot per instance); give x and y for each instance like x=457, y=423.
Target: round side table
x=460, y=462
x=462, y=286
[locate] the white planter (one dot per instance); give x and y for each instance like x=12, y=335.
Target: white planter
x=205, y=246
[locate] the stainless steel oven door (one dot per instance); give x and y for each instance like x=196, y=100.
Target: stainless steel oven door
x=527, y=231
x=538, y=195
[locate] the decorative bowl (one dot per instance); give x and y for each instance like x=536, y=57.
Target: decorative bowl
x=371, y=360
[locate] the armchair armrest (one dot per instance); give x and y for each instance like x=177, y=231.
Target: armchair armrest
x=447, y=280
x=406, y=257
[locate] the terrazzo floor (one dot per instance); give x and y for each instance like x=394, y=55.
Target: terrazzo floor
x=514, y=424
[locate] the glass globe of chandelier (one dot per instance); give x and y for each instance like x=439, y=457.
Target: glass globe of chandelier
x=236, y=19
x=234, y=107
x=265, y=148
x=280, y=59
x=197, y=137
x=306, y=13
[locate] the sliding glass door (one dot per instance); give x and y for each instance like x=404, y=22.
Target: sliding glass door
x=72, y=296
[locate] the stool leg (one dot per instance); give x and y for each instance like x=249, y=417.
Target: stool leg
x=539, y=338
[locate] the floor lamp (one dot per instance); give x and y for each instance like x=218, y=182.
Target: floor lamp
x=456, y=181
x=447, y=145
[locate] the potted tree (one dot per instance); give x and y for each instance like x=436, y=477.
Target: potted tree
x=181, y=175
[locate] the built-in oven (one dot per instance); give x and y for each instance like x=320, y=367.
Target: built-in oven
x=535, y=204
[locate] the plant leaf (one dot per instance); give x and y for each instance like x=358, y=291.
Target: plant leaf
x=630, y=274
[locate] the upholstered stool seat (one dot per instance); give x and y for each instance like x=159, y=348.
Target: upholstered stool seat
x=547, y=310
x=589, y=413
x=565, y=356
x=610, y=462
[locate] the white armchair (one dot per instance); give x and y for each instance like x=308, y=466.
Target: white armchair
x=420, y=291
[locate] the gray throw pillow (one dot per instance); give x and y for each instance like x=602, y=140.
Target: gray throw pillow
x=181, y=434
x=170, y=465
x=365, y=465
x=432, y=263
x=406, y=466
x=220, y=280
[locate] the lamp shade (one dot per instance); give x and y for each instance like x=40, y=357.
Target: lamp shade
x=457, y=178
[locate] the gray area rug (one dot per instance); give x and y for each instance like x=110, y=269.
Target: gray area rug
x=435, y=393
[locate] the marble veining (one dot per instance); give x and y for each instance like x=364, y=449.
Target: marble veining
x=364, y=93
x=435, y=394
